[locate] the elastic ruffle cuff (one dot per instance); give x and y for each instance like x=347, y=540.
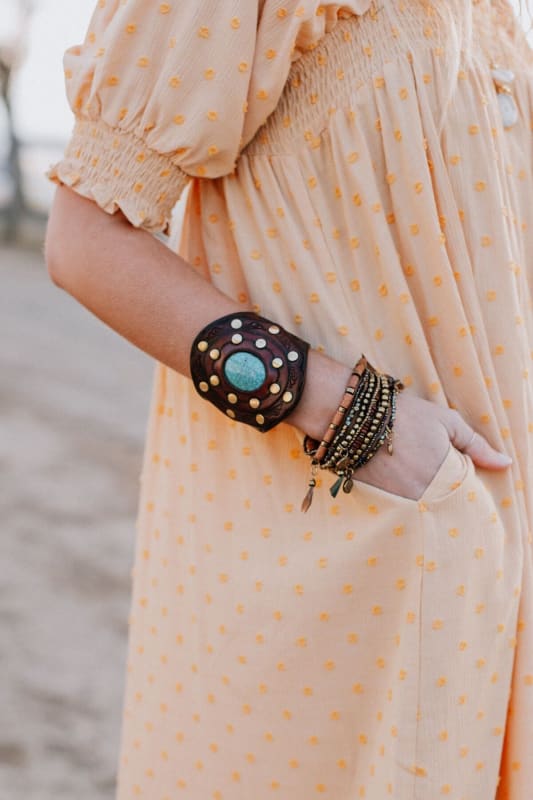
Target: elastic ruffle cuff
x=117, y=170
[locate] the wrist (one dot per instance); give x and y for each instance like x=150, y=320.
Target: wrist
x=325, y=382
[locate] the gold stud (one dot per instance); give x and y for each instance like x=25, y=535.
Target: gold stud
x=292, y=355
x=275, y=388
x=204, y=387
x=260, y=419
x=287, y=397
x=254, y=402
x=214, y=380
x=277, y=363
x=214, y=354
x=273, y=329
x=232, y=398
x=236, y=338
x=202, y=346
x=230, y=413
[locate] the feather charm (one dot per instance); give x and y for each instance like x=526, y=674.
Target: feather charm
x=308, y=499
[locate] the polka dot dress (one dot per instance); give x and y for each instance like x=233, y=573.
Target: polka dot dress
x=354, y=176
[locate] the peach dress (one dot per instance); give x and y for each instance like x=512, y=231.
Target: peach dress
x=352, y=178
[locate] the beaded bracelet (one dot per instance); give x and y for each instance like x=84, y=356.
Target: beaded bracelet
x=345, y=403
x=359, y=428
x=250, y=368
x=357, y=448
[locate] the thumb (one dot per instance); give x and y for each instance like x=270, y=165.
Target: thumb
x=469, y=441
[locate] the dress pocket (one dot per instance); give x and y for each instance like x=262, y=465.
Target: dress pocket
x=448, y=480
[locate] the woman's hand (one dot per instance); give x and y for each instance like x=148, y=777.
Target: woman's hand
x=421, y=435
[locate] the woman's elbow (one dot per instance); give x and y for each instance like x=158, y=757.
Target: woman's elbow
x=51, y=249
x=52, y=264
x=62, y=237
x=75, y=227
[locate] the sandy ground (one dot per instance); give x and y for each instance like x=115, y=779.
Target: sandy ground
x=73, y=408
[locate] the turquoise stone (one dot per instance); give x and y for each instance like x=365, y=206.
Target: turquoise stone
x=245, y=371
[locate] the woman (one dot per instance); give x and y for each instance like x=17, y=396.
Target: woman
x=361, y=179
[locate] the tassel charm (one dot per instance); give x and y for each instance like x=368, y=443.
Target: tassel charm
x=334, y=490
x=308, y=499
x=345, y=480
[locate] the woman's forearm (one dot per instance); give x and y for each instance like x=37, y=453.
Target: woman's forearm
x=129, y=279
x=153, y=297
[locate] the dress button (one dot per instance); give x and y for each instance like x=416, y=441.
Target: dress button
x=503, y=78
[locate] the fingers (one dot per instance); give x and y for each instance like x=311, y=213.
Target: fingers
x=470, y=441
x=465, y=447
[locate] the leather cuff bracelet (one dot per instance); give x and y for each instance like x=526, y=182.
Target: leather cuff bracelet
x=250, y=368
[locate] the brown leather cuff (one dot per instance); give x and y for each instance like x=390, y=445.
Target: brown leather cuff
x=250, y=368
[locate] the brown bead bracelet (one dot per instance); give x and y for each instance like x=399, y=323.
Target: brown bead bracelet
x=339, y=415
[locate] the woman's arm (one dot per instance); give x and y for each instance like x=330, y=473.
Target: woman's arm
x=154, y=298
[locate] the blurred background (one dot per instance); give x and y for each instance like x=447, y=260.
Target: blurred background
x=73, y=407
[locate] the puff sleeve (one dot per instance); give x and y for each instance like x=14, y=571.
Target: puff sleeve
x=167, y=91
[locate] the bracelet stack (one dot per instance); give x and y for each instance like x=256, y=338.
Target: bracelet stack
x=250, y=368
x=362, y=423
x=253, y=370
